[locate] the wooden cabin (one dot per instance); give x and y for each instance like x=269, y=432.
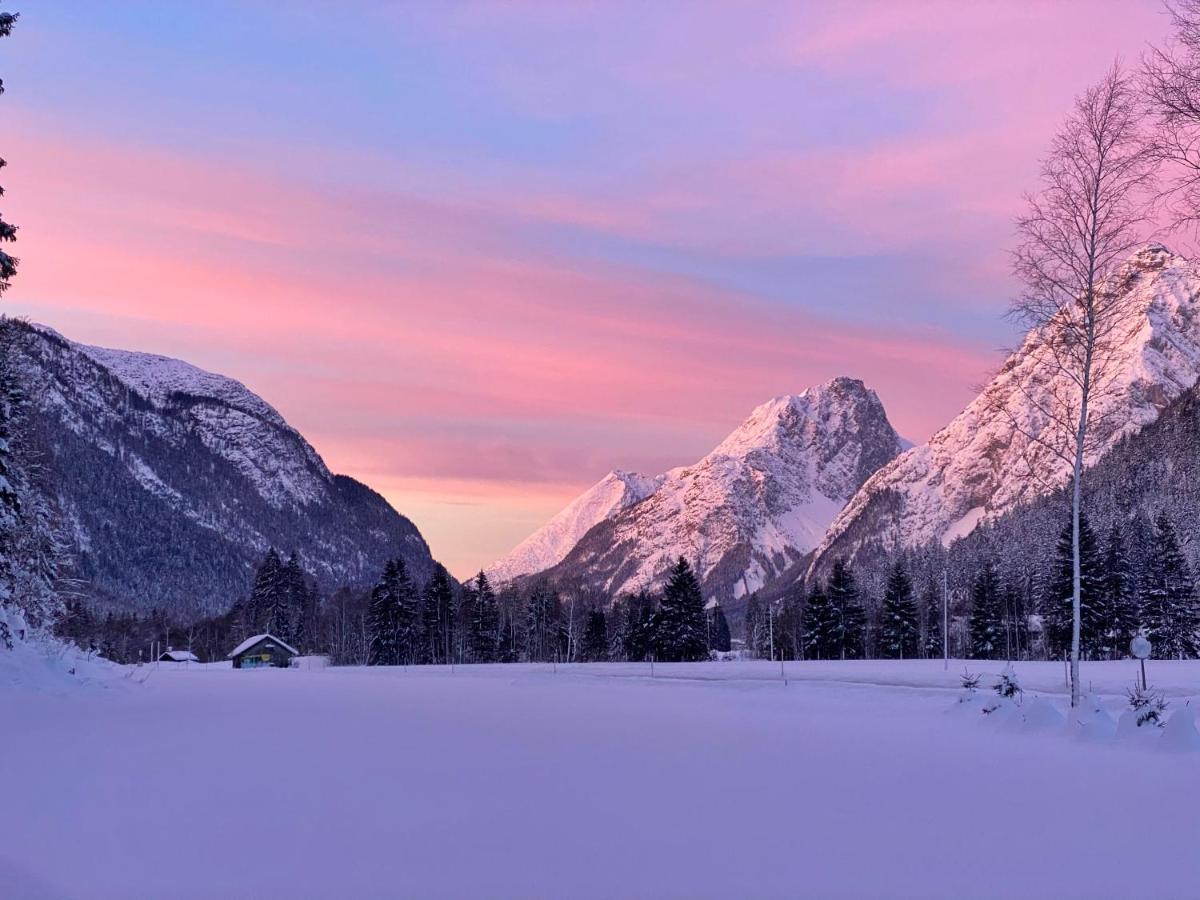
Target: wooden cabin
x=179, y=656
x=261, y=651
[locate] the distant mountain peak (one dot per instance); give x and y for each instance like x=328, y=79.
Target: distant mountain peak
x=745, y=511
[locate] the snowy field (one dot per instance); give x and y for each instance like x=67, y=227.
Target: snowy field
x=708, y=780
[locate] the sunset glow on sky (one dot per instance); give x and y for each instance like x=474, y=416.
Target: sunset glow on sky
x=480, y=254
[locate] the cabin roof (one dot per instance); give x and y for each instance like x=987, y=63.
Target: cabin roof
x=180, y=656
x=251, y=641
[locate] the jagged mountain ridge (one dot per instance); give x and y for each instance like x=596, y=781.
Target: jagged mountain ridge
x=173, y=481
x=749, y=509
x=978, y=467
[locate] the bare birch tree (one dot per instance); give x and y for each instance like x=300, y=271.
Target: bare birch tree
x=1079, y=227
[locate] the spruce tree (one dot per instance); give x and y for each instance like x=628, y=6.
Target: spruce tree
x=847, y=605
x=542, y=609
x=679, y=626
x=595, y=637
x=405, y=612
x=10, y=503
x=264, y=595
x=819, y=623
x=429, y=642
x=718, y=629
x=932, y=645
x=439, y=616
x=1169, y=611
x=483, y=635
x=637, y=633
x=282, y=609
x=986, y=625
x=8, y=233
x=899, y=633
x=1057, y=606
x=381, y=620
x=1119, y=618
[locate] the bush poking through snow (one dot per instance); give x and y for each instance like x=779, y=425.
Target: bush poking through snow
x=1147, y=705
x=969, y=680
x=1008, y=686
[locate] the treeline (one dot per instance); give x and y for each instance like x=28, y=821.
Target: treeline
x=477, y=624
x=1135, y=577
x=399, y=622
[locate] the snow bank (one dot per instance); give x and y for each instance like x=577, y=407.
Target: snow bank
x=41, y=664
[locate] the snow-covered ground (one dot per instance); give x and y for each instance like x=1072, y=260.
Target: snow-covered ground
x=850, y=780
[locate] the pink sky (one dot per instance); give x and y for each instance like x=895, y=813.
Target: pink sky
x=481, y=254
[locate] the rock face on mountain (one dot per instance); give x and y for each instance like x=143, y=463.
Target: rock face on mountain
x=980, y=465
x=746, y=511
x=172, y=483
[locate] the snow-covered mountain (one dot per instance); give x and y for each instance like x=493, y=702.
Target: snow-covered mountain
x=549, y=544
x=980, y=466
x=745, y=512
x=173, y=481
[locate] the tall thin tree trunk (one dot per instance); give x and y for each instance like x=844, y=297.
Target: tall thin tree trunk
x=1076, y=502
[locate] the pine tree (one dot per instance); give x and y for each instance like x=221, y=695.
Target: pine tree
x=1169, y=611
x=1057, y=606
x=847, y=606
x=819, y=623
x=679, y=625
x=8, y=233
x=541, y=624
x=284, y=601
x=986, y=625
x=439, y=616
x=899, y=634
x=1119, y=616
x=404, y=610
x=483, y=635
x=932, y=603
x=595, y=637
x=381, y=620
x=638, y=630
x=718, y=629
x=430, y=646
x=263, y=596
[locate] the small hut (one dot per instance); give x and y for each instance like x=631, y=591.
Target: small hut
x=263, y=650
x=179, y=656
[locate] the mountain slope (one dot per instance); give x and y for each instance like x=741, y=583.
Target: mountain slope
x=549, y=544
x=753, y=506
x=979, y=466
x=173, y=482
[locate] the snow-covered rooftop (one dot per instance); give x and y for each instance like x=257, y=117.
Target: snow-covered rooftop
x=251, y=641
x=180, y=656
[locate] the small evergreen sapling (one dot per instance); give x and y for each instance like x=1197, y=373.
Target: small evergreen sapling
x=1149, y=706
x=1008, y=686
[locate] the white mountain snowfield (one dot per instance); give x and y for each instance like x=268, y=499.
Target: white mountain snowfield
x=856, y=779
x=750, y=508
x=549, y=544
x=242, y=427
x=977, y=467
